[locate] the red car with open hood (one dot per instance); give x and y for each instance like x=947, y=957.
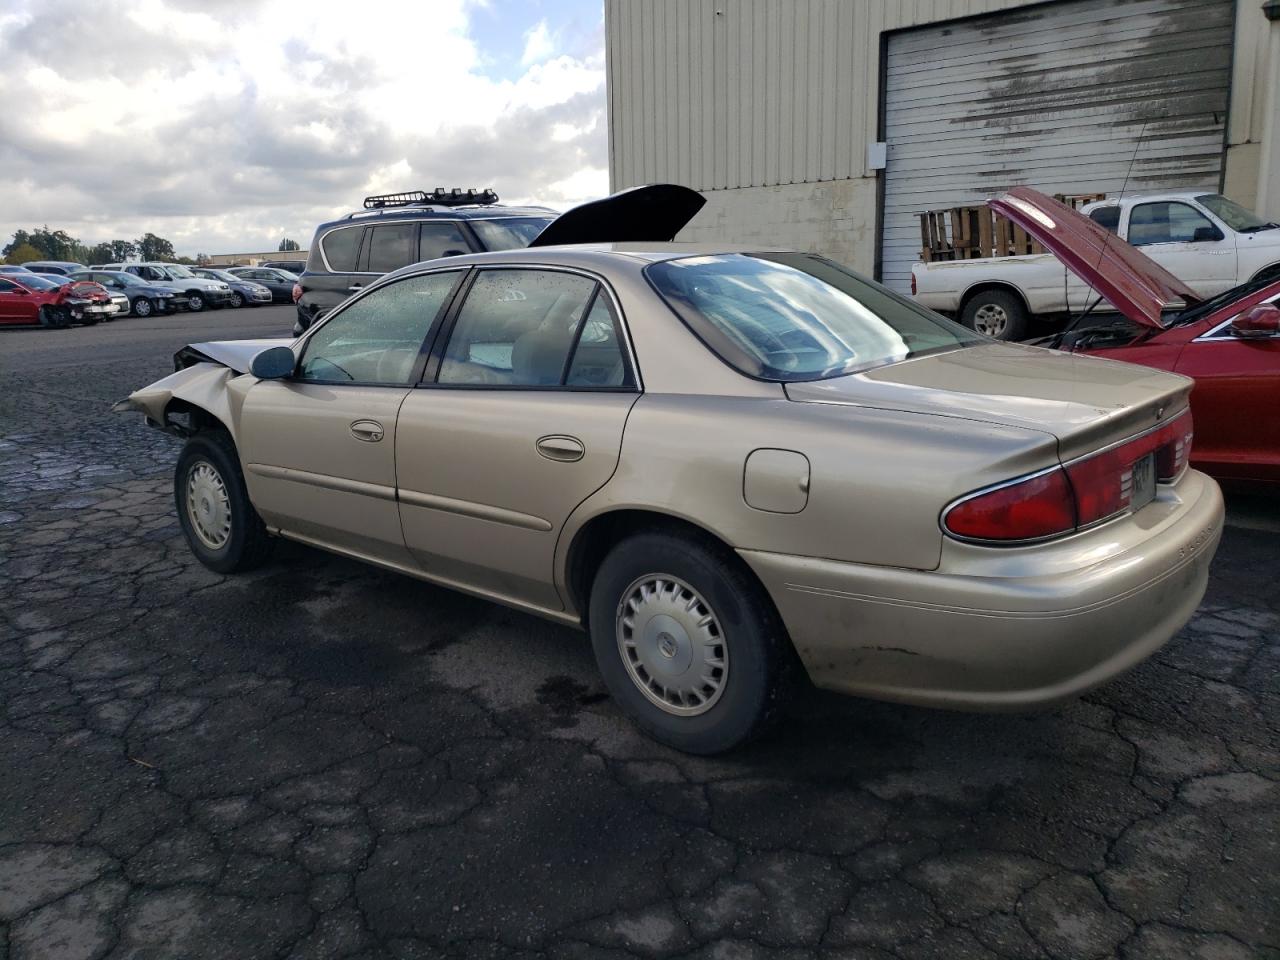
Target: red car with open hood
x=1229, y=344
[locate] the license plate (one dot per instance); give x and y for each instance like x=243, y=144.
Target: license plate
x=1143, y=479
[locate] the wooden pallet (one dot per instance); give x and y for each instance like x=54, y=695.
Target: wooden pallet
x=974, y=232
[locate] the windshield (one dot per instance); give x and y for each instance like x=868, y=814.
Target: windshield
x=178, y=271
x=509, y=233
x=33, y=282
x=1233, y=215
x=221, y=275
x=797, y=316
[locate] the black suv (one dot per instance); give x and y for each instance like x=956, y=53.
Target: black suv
x=397, y=229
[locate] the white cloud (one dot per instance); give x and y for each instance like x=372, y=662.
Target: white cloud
x=222, y=127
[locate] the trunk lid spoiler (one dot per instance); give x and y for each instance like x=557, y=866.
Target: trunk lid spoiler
x=1131, y=281
x=653, y=213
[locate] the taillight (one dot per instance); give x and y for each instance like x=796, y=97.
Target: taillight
x=1039, y=506
x=1082, y=493
x=297, y=292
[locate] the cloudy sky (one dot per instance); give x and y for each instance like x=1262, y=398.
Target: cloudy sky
x=226, y=125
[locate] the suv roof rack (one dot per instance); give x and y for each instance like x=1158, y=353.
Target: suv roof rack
x=446, y=198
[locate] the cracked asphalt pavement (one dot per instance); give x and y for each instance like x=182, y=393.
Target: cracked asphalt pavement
x=324, y=760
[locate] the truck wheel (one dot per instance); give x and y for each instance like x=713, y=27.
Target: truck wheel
x=687, y=644
x=998, y=314
x=222, y=528
x=1267, y=273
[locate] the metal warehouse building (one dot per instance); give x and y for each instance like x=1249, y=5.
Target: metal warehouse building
x=829, y=124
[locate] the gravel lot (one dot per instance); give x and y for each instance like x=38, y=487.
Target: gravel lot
x=321, y=759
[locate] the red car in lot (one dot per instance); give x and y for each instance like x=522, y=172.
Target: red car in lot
x=1229, y=344
x=31, y=299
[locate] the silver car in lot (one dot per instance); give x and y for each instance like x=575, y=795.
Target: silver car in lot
x=730, y=466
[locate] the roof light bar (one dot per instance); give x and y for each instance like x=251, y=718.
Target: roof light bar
x=456, y=197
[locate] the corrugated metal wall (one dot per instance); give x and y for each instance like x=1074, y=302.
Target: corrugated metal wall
x=738, y=93
x=1064, y=97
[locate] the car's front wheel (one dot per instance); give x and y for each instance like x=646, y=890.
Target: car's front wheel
x=142, y=307
x=195, y=302
x=688, y=644
x=222, y=528
x=237, y=300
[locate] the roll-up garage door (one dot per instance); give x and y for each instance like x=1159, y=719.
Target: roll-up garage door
x=1061, y=97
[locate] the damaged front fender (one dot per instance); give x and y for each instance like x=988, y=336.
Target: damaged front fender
x=202, y=390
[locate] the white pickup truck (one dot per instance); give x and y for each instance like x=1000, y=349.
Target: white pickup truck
x=1207, y=241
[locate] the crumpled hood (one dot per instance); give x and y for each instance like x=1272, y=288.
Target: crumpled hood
x=236, y=354
x=1085, y=402
x=1126, y=277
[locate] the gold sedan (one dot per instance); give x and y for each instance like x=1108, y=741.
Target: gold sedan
x=733, y=468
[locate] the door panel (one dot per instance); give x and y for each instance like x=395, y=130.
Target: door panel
x=480, y=504
x=1235, y=399
x=310, y=473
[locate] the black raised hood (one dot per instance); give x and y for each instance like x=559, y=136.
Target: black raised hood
x=656, y=212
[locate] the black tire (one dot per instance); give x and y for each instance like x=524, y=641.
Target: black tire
x=998, y=314
x=142, y=307
x=1267, y=273
x=247, y=544
x=237, y=300
x=760, y=663
x=195, y=302
x=55, y=318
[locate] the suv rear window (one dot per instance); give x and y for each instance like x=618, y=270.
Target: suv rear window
x=341, y=246
x=795, y=316
x=509, y=233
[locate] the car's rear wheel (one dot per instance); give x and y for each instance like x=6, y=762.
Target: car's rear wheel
x=688, y=644
x=237, y=300
x=998, y=314
x=142, y=307
x=222, y=528
x=195, y=302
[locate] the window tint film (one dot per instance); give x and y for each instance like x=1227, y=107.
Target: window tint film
x=441, y=240
x=796, y=316
x=340, y=248
x=377, y=339
x=1164, y=223
x=598, y=358
x=392, y=247
x=516, y=328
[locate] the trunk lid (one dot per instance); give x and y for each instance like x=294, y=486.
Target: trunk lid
x=656, y=212
x=1128, y=279
x=1085, y=402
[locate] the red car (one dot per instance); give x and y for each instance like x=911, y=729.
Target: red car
x=28, y=298
x=1229, y=344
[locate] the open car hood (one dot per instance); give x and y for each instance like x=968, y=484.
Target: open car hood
x=656, y=212
x=1131, y=281
x=236, y=354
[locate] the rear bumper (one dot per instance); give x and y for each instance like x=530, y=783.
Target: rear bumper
x=1007, y=629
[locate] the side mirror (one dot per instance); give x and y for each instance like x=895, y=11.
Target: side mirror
x=1206, y=233
x=1259, y=323
x=274, y=363
x=22, y=291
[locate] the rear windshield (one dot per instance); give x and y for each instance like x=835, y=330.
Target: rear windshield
x=509, y=233
x=796, y=316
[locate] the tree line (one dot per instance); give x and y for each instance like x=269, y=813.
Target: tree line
x=45, y=244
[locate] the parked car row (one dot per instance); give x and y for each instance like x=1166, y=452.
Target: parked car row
x=137, y=289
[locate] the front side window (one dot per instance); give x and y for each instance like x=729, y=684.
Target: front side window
x=378, y=338
x=341, y=247
x=509, y=233
x=441, y=240
x=1165, y=222
x=797, y=316
x=7, y=286
x=518, y=328
x=391, y=247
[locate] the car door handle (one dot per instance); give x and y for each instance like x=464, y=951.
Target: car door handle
x=354, y=287
x=369, y=431
x=564, y=449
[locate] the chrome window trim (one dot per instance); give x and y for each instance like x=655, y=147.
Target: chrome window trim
x=632, y=360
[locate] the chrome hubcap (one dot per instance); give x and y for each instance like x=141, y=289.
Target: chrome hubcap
x=990, y=319
x=672, y=645
x=208, y=506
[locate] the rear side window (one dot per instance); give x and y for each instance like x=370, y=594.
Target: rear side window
x=340, y=248
x=441, y=240
x=391, y=246
x=1107, y=217
x=520, y=328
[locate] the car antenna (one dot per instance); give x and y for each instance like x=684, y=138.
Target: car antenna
x=1077, y=320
